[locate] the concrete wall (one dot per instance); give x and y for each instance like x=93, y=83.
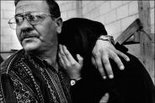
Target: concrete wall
x=8, y=39
x=68, y=9
x=152, y=15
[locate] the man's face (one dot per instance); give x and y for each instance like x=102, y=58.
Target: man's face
x=41, y=36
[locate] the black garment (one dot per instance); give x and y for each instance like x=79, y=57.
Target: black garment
x=78, y=35
x=133, y=85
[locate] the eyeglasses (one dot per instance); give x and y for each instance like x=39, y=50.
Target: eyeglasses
x=34, y=18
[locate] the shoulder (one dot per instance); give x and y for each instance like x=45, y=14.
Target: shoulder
x=84, y=22
x=5, y=65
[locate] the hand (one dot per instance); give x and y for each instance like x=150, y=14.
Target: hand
x=104, y=50
x=67, y=61
x=105, y=98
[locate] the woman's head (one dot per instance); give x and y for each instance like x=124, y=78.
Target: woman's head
x=80, y=35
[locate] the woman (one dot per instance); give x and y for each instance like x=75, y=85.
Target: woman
x=133, y=85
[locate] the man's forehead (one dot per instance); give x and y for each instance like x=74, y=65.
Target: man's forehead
x=30, y=6
x=24, y=8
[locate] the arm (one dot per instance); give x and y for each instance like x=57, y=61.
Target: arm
x=102, y=52
x=73, y=68
x=67, y=61
x=81, y=37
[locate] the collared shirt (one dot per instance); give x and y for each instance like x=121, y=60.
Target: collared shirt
x=29, y=79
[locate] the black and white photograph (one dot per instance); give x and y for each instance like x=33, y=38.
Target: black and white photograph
x=77, y=51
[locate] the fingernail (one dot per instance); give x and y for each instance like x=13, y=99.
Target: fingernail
x=77, y=55
x=64, y=46
x=60, y=46
x=127, y=59
x=122, y=67
x=106, y=94
x=111, y=76
x=104, y=77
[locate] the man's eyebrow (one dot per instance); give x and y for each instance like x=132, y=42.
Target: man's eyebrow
x=24, y=13
x=20, y=14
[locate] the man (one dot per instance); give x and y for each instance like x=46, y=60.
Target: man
x=33, y=74
x=133, y=85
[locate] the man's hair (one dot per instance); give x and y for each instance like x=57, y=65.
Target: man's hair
x=53, y=7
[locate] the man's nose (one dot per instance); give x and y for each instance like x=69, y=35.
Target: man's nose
x=26, y=26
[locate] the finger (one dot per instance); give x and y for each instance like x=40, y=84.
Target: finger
x=63, y=56
x=105, y=98
x=100, y=67
x=123, y=55
x=68, y=55
x=80, y=59
x=107, y=65
x=61, y=50
x=61, y=60
x=118, y=61
x=94, y=62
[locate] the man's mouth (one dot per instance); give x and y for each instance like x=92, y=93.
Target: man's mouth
x=24, y=37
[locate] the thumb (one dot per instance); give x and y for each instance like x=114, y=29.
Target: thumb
x=80, y=59
x=105, y=98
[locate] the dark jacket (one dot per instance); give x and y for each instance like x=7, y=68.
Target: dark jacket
x=25, y=78
x=132, y=85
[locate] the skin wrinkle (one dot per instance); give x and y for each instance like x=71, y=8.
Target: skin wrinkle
x=49, y=40
x=30, y=6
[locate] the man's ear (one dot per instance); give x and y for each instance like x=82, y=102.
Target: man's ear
x=59, y=23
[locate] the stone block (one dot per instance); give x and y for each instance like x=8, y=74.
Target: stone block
x=122, y=12
x=152, y=16
x=152, y=3
x=116, y=4
x=104, y=8
x=110, y=17
x=127, y=21
x=133, y=7
x=7, y=14
x=114, y=29
x=125, y=2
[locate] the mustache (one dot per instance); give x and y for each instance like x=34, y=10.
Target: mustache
x=28, y=35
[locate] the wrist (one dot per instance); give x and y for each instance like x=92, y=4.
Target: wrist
x=107, y=38
x=74, y=81
x=75, y=77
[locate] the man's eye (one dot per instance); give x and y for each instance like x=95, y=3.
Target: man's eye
x=40, y=17
x=18, y=20
x=35, y=19
x=32, y=18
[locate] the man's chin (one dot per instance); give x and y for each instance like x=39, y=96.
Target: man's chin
x=30, y=47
